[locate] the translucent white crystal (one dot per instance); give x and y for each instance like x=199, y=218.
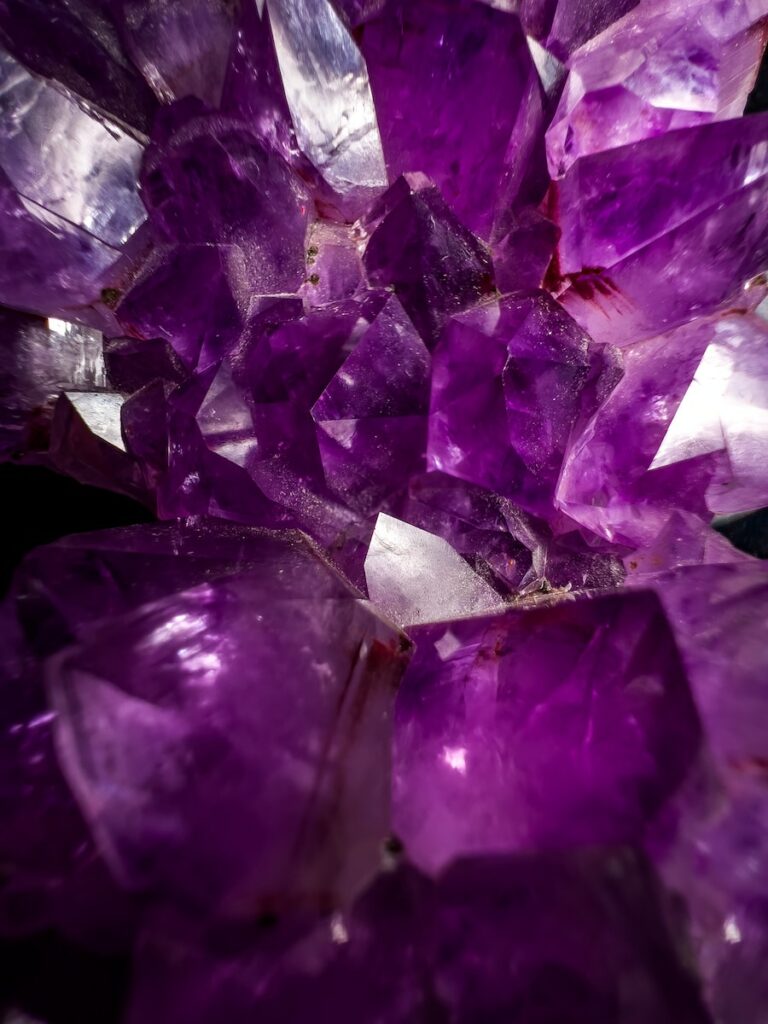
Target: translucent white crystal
x=101, y=412
x=65, y=160
x=416, y=577
x=328, y=92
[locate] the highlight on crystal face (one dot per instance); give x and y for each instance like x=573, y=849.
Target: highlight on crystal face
x=428, y=342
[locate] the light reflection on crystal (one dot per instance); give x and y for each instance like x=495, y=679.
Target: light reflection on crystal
x=328, y=94
x=66, y=161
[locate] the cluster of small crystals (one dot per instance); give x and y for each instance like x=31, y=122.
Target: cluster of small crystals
x=432, y=333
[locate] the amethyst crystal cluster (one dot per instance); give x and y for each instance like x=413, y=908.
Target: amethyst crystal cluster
x=433, y=333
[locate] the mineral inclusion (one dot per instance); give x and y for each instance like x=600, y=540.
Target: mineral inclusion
x=433, y=335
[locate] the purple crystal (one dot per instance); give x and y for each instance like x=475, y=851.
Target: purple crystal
x=256, y=413
x=184, y=295
x=68, y=197
x=53, y=877
x=253, y=87
x=523, y=254
x=180, y=46
x=79, y=45
x=510, y=549
x=252, y=198
x=688, y=203
x=553, y=726
x=467, y=69
x=174, y=762
x=418, y=248
x=717, y=858
x=682, y=431
x=133, y=362
x=372, y=416
x=567, y=24
x=511, y=380
x=495, y=939
x=340, y=285
x=657, y=69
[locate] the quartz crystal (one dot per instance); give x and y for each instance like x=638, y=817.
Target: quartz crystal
x=69, y=195
x=172, y=755
x=41, y=357
x=691, y=416
x=540, y=727
x=498, y=938
x=718, y=858
x=79, y=45
x=468, y=69
x=416, y=577
x=689, y=203
x=428, y=339
x=512, y=379
x=657, y=69
x=417, y=247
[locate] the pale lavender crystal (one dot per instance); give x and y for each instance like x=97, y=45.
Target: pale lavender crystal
x=657, y=69
x=372, y=416
x=540, y=727
x=685, y=539
x=84, y=441
x=416, y=577
x=467, y=69
x=684, y=430
x=71, y=164
x=234, y=763
x=688, y=205
x=512, y=379
x=328, y=93
x=334, y=267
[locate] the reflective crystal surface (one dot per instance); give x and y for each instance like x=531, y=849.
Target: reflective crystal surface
x=207, y=744
x=544, y=727
x=657, y=69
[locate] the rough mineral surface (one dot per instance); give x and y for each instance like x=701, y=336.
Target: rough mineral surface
x=430, y=336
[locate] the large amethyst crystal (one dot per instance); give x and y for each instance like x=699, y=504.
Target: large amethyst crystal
x=430, y=336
